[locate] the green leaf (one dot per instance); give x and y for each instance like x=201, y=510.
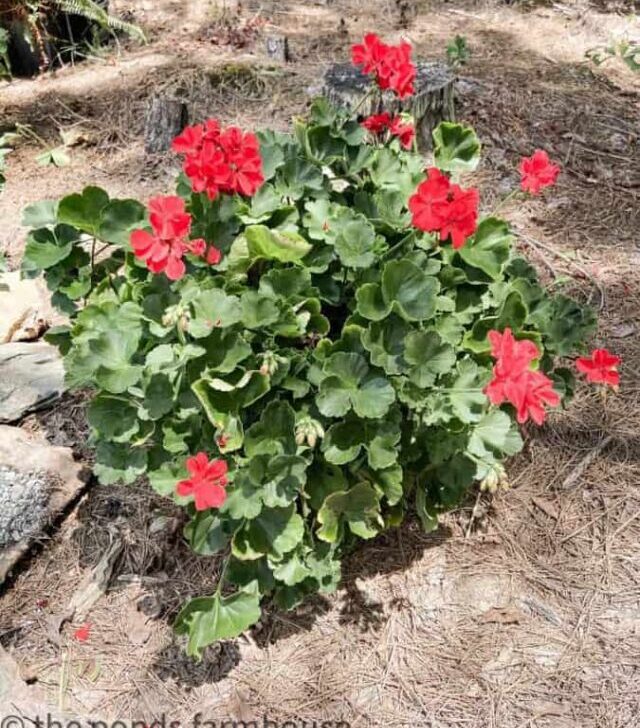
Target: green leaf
x=452, y=480
x=323, y=478
x=40, y=214
x=410, y=292
x=349, y=384
x=426, y=513
x=456, y=147
x=565, y=325
x=291, y=571
x=429, y=356
x=57, y=157
x=371, y=303
x=274, y=433
x=286, y=247
x=343, y=442
x=490, y=247
x=298, y=176
x=213, y=309
x=113, y=418
x=283, y=480
x=209, y=619
x=258, y=310
x=244, y=497
x=466, y=396
x=385, y=341
x=359, y=507
x=513, y=313
x=389, y=482
x=118, y=219
x=206, y=534
x=355, y=244
x=242, y=573
x=46, y=247
x=118, y=463
x=274, y=532
x=227, y=424
x=83, y=211
x=158, y=396
x=405, y=289
x=494, y=435
x=225, y=349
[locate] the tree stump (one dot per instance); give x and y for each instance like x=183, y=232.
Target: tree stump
x=433, y=101
x=166, y=117
x=277, y=47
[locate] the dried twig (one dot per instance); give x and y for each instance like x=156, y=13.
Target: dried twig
x=577, y=472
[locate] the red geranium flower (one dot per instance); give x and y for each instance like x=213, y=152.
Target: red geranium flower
x=439, y=206
x=207, y=482
x=434, y=189
x=369, y=53
x=513, y=380
x=537, y=172
x=600, y=368
x=242, y=151
x=189, y=141
x=396, y=70
x=83, y=633
x=377, y=123
x=458, y=215
x=220, y=160
x=510, y=353
x=529, y=393
x=163, y=248
x=405, y=132
x=214, y=256
x=391, y=65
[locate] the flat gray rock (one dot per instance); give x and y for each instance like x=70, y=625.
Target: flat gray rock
x=37, y=482
x=31, y=377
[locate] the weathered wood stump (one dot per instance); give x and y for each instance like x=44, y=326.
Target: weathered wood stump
x=433, y=101
x=166, y=117
x=277, y=47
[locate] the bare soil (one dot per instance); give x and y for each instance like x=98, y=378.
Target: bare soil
x=523, y=610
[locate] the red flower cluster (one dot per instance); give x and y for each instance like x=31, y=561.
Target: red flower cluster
x=515, y=382
x=164, y=248
x=537, y=172
x=600, y=368
x=439, y=206
x=390, y=64
x=379, y=123
x=207, y=482
x=220, y=160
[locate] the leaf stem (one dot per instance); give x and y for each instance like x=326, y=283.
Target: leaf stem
x=223, y=576
x=399, y=244
x=504, y=201
x=360, y=104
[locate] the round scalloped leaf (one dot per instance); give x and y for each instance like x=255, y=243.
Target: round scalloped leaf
x=456, y=147
x=490, y=247
x=409, y=291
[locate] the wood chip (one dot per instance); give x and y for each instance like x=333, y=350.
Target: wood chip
x=546, y=507
x=502, y=615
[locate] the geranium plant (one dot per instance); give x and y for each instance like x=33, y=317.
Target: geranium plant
x=318, y=334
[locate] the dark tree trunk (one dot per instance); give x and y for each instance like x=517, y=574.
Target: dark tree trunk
x=432, y=102
x=166, y=117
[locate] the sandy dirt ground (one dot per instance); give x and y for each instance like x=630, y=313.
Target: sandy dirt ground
x=523, y=610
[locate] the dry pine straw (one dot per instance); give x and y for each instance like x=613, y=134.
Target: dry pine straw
x=522, y=611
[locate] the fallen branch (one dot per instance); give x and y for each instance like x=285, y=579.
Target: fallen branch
x=586, y=461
